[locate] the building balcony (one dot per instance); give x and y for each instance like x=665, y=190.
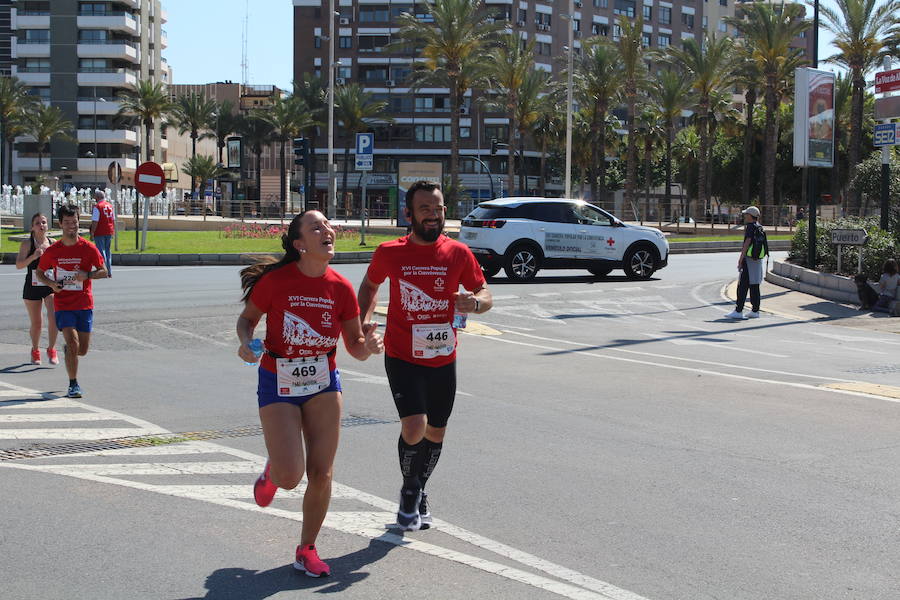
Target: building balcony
x=106, y=106
x=163, y=16
x=23, y=49
x=101, y=164
x=131, y=3
x=108, y=136
x=108, y=78
x=24, y=20
x=109, y=49
x=163, y=40
x=123, y=22
x=35, y=79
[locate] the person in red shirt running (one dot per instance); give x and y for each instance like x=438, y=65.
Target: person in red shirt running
x=103, y=226
x=308, y=306
x=426, y=270
x=74, y=262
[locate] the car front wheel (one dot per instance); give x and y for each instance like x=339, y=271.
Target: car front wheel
x=489, y=271
x=639, y=263
x=522, y=263
x=599, y=271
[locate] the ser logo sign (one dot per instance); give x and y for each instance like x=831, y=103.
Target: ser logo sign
x=885, y=134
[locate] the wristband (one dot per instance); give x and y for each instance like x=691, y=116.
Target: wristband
x=477, y=304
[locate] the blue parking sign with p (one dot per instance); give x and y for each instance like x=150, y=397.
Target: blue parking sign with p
x=365, y=146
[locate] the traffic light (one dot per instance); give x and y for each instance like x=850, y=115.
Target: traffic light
x=301, y=152
x=493, y=146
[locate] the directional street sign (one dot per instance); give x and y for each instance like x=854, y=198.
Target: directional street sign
x=365, y=146
x=887, y=81
x=886, y=134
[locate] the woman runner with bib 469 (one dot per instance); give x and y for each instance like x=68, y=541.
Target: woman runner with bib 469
x=307, y=306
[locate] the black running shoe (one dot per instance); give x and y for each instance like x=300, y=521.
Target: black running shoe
x=424, y=515
x=408, y=514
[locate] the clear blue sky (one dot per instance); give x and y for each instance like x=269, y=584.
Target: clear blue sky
x=205, y=40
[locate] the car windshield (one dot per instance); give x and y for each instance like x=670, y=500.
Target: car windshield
x=490, y=211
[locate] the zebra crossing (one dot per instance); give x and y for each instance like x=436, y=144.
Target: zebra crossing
x=217, y=474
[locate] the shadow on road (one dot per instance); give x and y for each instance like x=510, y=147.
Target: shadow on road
x=494, y=281
x=236, y=583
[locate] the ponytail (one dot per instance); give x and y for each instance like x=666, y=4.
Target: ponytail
x=252, y=274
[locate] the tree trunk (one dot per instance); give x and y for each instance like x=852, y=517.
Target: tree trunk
x=454, y=140
x=600, y=144
x=631, y=160
x=750, y=97
x=542, y=187
x=702, y=115
x=309, y=189
x=5, y=158
x=283, y=173
x=648, y=173
x=523, y=174
x=667, y=201
x=856, y=122
x=259, y=178
x=596, y=147
x=835, y=183
x=344, y=184
x=511, y=150
x=148, y=131
x=768, y=196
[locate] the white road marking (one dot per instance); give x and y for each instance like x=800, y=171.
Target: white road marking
x=505, y=297
x=805, y=386
x=854, y=338
x=716, y=345
x=546, y=294
x=628, y=289
x=126, y=338
x=821, y=348
x=368, y=524
x=15, y=394
x=684, y=359
x=49, y=417
x=190, y=334
x=62, y=433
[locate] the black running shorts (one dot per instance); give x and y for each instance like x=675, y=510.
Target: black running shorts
x=419, y=390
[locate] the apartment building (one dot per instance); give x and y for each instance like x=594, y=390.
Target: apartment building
x=421, y=130
x=79, y=56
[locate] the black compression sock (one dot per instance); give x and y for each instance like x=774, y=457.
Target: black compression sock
x=409, y=460
x=429, y=454
x=73, y=382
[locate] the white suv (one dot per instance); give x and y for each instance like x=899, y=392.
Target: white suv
x=524, y=235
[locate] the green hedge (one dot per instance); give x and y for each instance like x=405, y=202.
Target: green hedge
x=881, y=246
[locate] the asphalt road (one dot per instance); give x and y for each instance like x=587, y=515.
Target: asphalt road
x=611, y=439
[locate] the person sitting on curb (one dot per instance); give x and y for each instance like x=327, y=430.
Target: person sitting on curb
x=887, y=286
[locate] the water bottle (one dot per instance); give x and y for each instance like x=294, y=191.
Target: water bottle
x=256, y=346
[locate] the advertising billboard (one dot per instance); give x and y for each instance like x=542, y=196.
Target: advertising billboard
x=233, y=152
x=813, y=118
x=410, y=172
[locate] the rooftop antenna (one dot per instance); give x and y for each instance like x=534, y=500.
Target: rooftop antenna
x=245, y=63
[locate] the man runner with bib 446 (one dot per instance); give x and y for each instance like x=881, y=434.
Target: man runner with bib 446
x=426, y=270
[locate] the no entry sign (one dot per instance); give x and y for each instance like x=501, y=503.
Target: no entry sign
x=149, y=179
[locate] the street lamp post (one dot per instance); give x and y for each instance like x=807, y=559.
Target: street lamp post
x=332, y=179
x=811, y=171
x=570, y=65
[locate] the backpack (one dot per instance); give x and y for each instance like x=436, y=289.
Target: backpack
x=759, y=244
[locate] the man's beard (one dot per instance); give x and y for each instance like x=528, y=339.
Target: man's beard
x=426, y=234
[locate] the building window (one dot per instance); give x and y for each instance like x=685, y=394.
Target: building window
x=94, y=65
x=37, y=36
x=465, y=132
x=577, y=24
x=617, y=32
x=723, y=2
x=723, y=27
x=432, y=133
x=36, y=65
x=601, y=3
x=705, y=22
x=317, y=41
x=664, y=40
x=496, y=132
x=647, y=12
x=92, y=36
x=645, y=40
x=543, y=49
x=599, y=29
x=542, y=19
x=41, y=92
x=92, y=8
x=376, y=13
x=345, y=72
x=523, y=15
x=373, y=43
x=396, y=11
x=625, y=7
x=687, y=20
x=375, y=74
x=345, y=41
x=665, y=15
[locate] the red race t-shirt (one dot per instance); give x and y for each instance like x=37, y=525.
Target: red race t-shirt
x=65, y=261
x=303, y=314
x=104, y=219
x=423, y=281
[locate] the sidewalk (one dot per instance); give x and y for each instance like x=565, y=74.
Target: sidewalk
x=804, y=307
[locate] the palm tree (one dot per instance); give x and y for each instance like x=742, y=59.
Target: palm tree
x=256, y=132
x=15, y=100
x=631, y=51
x=192, y=114
x=599, y=78
x=288, y=117
x=843, y=90
x=44, y=124
x=669, y=95
x=509, y=63
x=767, y=31
x=223, y=122
x=548, y=132
x=313, y=91
x=202, y=168
x=709, y=68
x=456, y=33
x=527, y=112
x=356, y=111
x=860, y=28
x=652, y=130
x=149, y=103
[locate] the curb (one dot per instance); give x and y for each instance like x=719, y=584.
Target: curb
x=836, y=288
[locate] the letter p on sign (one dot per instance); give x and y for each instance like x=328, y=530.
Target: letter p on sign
x=364, y=142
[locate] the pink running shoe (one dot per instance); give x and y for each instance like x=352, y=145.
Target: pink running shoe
x=52, y=356
x=309, y=562
x=264, y=490
x=35, y=357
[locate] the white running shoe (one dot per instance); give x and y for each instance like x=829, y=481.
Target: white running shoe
x=736, y=315
x=753, y=315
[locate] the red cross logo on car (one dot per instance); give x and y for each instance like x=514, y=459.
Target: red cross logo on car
x=611, y=242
